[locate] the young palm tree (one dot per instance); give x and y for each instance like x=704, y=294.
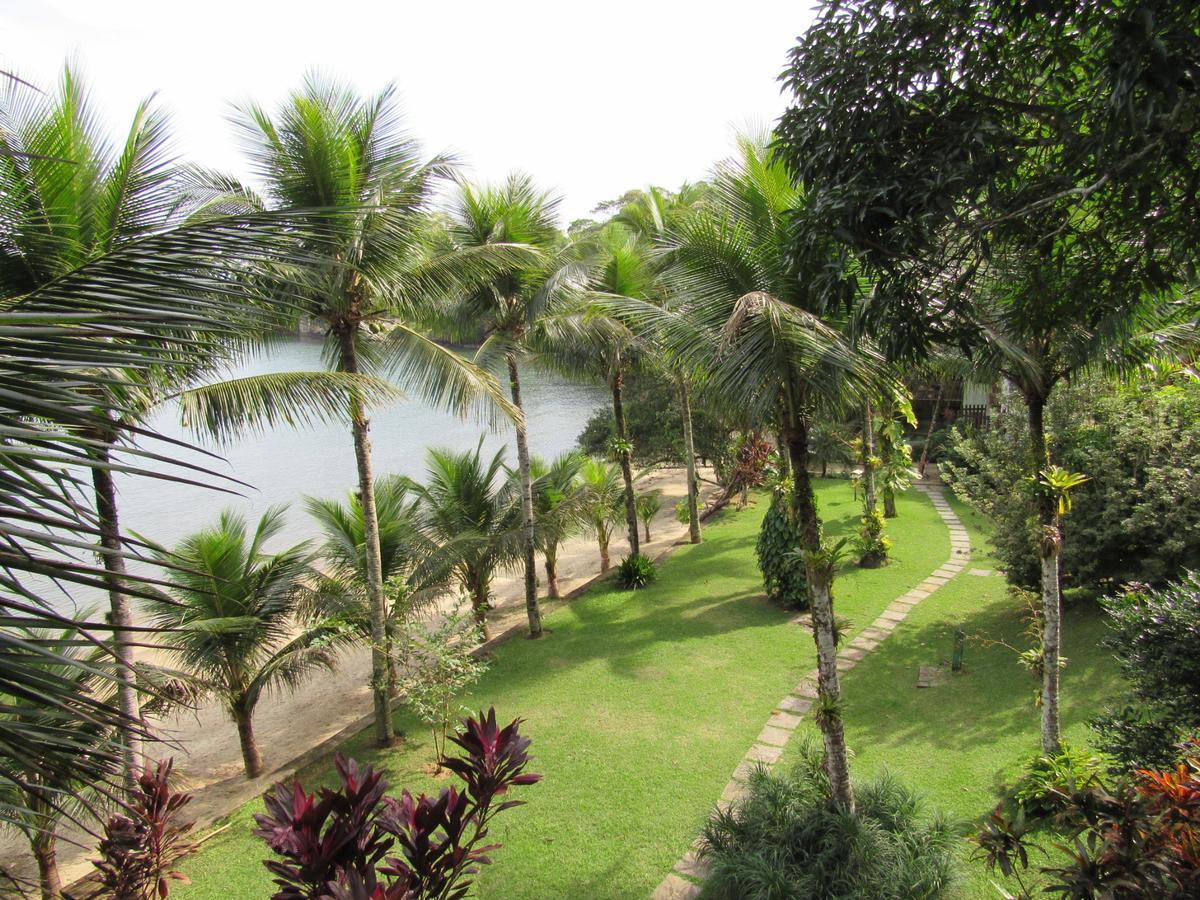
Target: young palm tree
x=828, y=443
x=505, y=311
x=558, y=503
x=467, y=509
x=328, y=148
x=648, y=505
x=231, y=620
x=602, y=503
x=414, y=575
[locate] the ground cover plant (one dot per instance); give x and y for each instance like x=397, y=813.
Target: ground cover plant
x=640, y=705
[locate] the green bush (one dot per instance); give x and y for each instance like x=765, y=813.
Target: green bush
x=1156, y=639
x=1137, y=518
x=782, y=570
x=784, y=840
x=635, y=572
x=1046, y=778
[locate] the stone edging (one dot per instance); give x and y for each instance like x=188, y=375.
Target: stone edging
x=683, y=882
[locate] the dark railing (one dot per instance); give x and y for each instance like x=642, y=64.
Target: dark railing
x=976, y=415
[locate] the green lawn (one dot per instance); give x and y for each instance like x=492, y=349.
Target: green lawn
x=640, y=705
x=960, y=742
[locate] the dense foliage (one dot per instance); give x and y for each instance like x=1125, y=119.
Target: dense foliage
x=636, y=571
x=1156, y=638
x=783, y=571
x=335, y=844
x=786, y=840
x=1137, y=518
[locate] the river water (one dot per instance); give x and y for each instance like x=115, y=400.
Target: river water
x=285, y=464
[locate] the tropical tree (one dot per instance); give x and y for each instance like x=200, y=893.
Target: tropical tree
x=329, y=149
x=467, y=509
x=751, y=327
x=603, y=502
x=559, y=507
x=505, y=310
x=648, y=505
x=414, y=573
x=829, y=442
x=231, y=619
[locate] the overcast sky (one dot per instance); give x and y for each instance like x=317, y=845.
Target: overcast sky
x=590, y=98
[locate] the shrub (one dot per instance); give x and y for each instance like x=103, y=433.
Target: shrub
x=141, y=847
x=782, y=569
x=1137, y=518
x=1046, y=777
x=870, y=543
x=636, y=571
x=336, y=844
x=1156, y=639
x=786, y=840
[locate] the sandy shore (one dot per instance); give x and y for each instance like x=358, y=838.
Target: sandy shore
x=288, y=726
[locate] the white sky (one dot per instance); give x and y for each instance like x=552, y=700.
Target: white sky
x=591, y=99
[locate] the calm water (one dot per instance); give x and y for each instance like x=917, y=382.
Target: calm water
x=286, y=464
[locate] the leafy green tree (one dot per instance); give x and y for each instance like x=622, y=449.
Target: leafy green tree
x=327, y=148
x=232, y=622
x=559, y=508
x=603, y=502
x=829, y=442
x=467, y=509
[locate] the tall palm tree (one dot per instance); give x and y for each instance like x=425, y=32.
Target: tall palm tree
x=751, y=326
x=231, y=619
x=414, y=575
x=467, y=509
x=603, y=500
x=505, y=311
x=558, y=502
x=328, y=148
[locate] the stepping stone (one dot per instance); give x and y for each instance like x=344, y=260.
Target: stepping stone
x=797, y=705
x=905, y=603
x=946, y=571
x=874, y=634
x=675, y=888
x=845, y=665
x=806, y=689
x=802, y=619
x=862, y=643
x=776, y=737
x=693, y=866
x=764, y=754
x=783, y=720
x=882, y=624
x=854, y=653
x=928, y=676
x=742, y=773
x=937, y=580
x=890, y=616
x=919, y=593
x=981, y=572
x=734, y=791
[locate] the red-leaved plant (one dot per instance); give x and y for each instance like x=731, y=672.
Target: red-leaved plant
x=337, y=845
x=140, y=849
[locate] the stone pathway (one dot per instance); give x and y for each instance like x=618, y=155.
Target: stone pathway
x=683, y=882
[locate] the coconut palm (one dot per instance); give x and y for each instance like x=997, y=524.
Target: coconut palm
x=751, y=327
x=505, y=311
x=467, y=509
x=328, y=148
x=603, y=502
x=231, y=620
x=648, y=505
x=558, y=503
x=413, y=574
x=829, y=442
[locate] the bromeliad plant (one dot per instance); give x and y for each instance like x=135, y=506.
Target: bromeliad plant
x=336, y=844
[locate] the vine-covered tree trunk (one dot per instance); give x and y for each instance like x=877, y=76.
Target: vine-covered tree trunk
x=889, y=503
x=868, y=454
x=251, y=758
x=532, y=610
x=819, y=583
x=623, y=457
x=689, y=452
x=1049, y=550
x=384, y=731
x=122, y=616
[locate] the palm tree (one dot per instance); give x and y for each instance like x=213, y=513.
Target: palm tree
x=330, y=149
x=829, y=443
x=648, y=505
x=558, y=503
x=231, y=620
x=467, y=509
x=751, y=328
x=413, y=575
x=603, y=501
x=505, y=311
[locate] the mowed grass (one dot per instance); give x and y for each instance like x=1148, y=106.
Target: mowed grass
x=961, y=742
x=640, y=705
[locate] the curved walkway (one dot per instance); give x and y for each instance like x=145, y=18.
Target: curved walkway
x=683, y=882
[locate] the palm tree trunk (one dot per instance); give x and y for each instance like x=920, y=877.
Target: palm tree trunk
x=605, y=563
x=869, y=498
x=552, y=575
x=122, y=617
x=646, y=525
x=251, y=758
x=689, y=452
x=1049, y=550
x=46, y=854
x=384, y=732
x=531, y=601
x=819, y=583
x=480, y=597
x=631, y=519
x=937, y=404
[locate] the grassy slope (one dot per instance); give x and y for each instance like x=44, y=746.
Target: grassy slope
x=960, y=742
x=640, y=706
